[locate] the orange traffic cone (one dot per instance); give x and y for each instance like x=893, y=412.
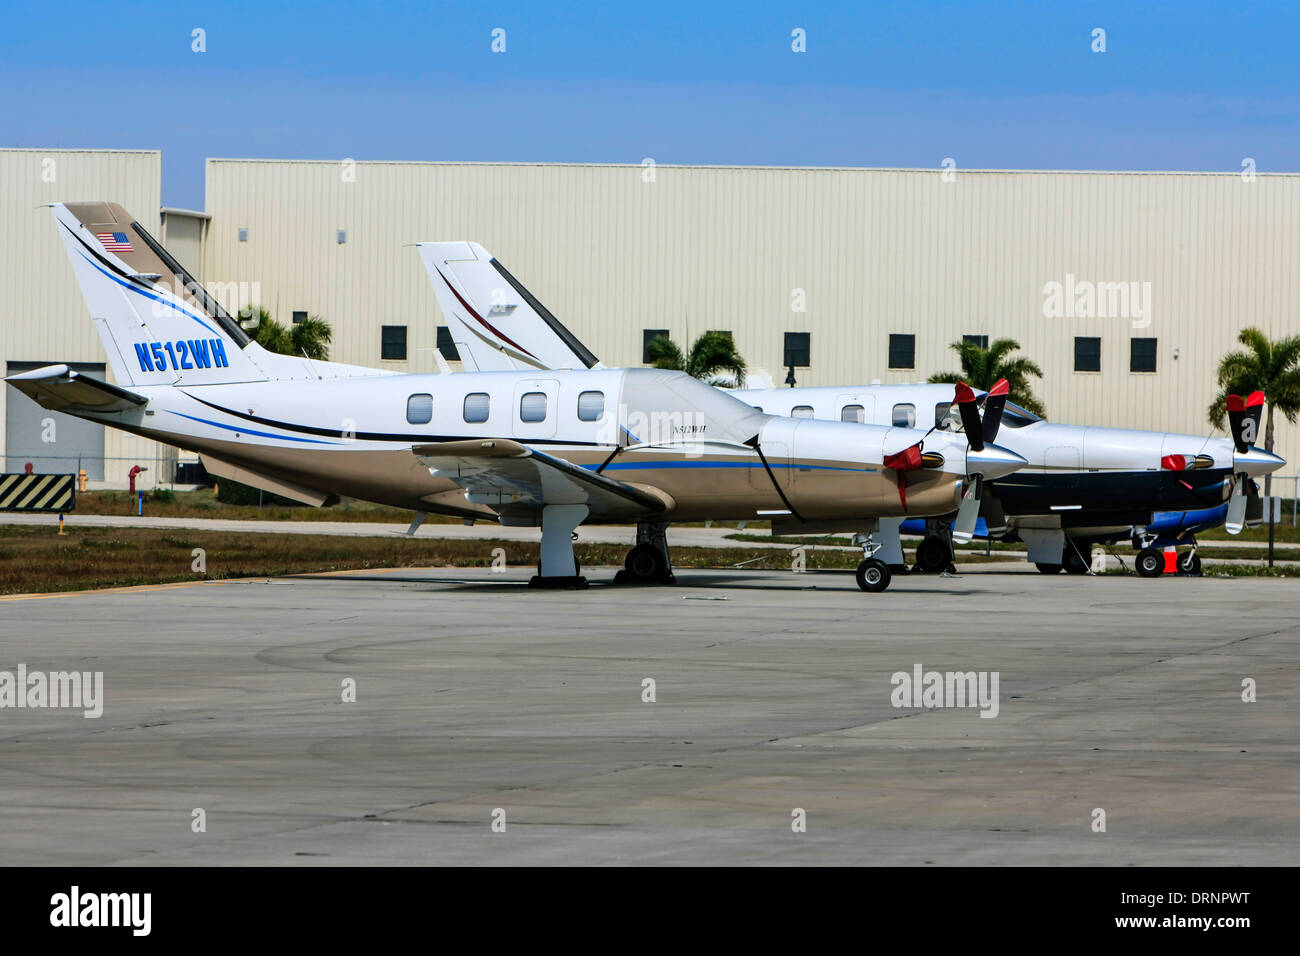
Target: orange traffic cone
x=1171, y=560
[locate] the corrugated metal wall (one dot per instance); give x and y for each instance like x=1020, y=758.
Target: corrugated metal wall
x=43, y=317
x=874, y=251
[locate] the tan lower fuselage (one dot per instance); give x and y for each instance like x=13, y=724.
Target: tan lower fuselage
x=725, y=487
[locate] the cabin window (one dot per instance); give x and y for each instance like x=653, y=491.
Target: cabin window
x=591, y=406
x=532, y=407
x=477, y=406
x=941, y=411
x=419, y=409
x=904, y=416
x=853, y=413
x=801, y=411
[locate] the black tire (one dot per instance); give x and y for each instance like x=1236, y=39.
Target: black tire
x=1072, y=561
x=1189, y=563
x=1044, y=568
x=873, y=575
x=933, y=555
x=644, y=563
x=1150, y=562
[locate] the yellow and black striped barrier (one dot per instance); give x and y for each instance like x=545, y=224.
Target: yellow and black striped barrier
x=38, y=492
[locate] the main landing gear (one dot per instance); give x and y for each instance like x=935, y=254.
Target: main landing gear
x=558, y=568
x=649, y=561
x=934, y=554
x=1072, y=560
x=873, y=574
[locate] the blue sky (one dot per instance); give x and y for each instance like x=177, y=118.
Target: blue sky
x=1186, y=85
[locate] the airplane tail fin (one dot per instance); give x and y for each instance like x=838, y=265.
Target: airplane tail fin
x=495, y=323
x=158, y=325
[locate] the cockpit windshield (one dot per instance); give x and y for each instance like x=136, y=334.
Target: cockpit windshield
x=1013, y=416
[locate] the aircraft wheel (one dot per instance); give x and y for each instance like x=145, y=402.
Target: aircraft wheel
x=1151, y=562
x=873, y=575
x=933, y=555
x=1074, y=564
x=1044, y=568
x=1189, y=563
x=644, y=563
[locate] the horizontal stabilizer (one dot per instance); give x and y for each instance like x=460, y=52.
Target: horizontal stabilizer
x=59, y=389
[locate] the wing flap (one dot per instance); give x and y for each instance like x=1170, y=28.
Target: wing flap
x=515, y=480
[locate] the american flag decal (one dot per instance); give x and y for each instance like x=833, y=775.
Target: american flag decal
x=115, y=241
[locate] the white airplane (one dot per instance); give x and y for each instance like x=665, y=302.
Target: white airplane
x=1082, y=483
x=554, y=449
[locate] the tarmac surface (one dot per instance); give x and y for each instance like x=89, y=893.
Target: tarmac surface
x=475, y=694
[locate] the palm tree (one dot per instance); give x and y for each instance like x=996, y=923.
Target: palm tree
x=981, y=368
x=712, y=352
x=1264, y=365
x=310, y=336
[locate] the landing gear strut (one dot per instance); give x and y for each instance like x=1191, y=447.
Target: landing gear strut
x=649, y=561
x=558, y=568
x=873, y=574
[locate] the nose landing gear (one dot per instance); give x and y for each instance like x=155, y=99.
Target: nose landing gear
x=873, y=574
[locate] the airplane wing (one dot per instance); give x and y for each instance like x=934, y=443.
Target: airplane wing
x=517, y=481
x=58, y=388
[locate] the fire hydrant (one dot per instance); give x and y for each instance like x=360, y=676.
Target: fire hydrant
x=27, y=468
x=135, y=471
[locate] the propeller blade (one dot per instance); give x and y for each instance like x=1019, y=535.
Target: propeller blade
x=994, y=517
x=963, y=529
x=1251, y=419
x=1236, y=511
x=994, y=403
x=1237, y=423
x=970, y=416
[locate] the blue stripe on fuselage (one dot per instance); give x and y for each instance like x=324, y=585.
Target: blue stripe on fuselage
x=251, y=431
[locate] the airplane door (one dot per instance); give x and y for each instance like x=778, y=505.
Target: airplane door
x=535, y=411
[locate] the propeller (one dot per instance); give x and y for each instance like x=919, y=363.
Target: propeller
x=979, y=435
x=1243, y=421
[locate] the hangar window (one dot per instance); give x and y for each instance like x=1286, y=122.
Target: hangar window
x=477, y=406
x=1142, y=355
x=801, y=411
x=299, y=316
x=648, y=336
x=798, y=349
x=591, y=406
x=1087, y=353
x=853, y=413
x=902, y=351
x=941, y=410
x=981, y=340
x=904, y=416
x=419, y=409
x=392, y=343
x=532, y=407
x=446, y=346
